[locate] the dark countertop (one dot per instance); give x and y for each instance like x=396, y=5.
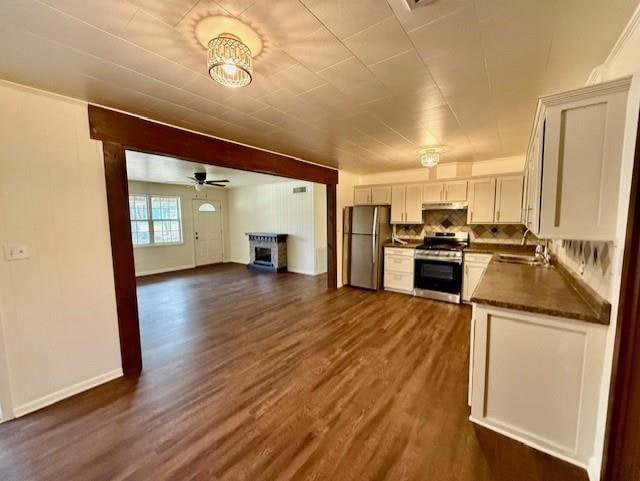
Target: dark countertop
x=487, y=248
x=552, y=291
x=409, y=245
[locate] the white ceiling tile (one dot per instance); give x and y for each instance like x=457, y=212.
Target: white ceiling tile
x=318, y=50
x=154, y=35
x=406, y=70
x=283, y=21
x=270, y=115
x=345, y=18
x=235, y=7
x=169, y=12
x=297, y=79
x=346, y=74
x=112, y=16
x=379, y=42
x=458, y=32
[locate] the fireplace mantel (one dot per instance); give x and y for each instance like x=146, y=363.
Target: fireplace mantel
x=268, y=251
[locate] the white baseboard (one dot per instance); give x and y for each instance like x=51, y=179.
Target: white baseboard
x=165, y=269
x=52, y=398
x=531, y=444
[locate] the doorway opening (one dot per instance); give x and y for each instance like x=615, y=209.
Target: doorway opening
x=188, y=232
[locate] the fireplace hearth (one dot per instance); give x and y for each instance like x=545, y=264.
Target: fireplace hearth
x=268, y=251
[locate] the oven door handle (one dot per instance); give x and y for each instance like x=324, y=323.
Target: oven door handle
x=439, y=259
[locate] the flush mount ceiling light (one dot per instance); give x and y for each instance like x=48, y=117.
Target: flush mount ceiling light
x=430, y=156
x=231, y=47
x=229, y=61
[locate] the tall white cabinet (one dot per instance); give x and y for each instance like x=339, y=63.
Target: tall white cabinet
x=573, y=162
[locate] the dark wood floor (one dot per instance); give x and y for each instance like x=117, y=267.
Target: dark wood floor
x=272, y=377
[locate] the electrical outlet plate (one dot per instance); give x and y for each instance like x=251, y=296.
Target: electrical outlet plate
x=14, y=252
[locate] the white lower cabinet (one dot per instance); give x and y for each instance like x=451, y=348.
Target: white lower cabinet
x=474, y=267
x=536, y=379
x=398, y=269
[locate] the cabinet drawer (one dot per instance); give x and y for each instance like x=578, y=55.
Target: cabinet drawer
x=398, y=281
x=482, y=258
x=398, y=264
x=402, y=252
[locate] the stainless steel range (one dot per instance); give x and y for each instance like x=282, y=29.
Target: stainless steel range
x=438, y=266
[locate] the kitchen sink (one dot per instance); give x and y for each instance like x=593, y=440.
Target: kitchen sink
x=518, y=259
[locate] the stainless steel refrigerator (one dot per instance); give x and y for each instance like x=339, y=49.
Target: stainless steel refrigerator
x=365, y=231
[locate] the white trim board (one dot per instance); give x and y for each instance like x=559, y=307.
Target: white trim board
x=66, y=392
x=165, y=269
x=530, y=443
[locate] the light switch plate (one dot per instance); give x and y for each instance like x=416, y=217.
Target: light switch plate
x=15, y=252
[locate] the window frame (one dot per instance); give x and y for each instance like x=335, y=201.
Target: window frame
x=150, y=220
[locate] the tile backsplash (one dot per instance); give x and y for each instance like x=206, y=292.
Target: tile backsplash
x=456, y=220
x=592, y=261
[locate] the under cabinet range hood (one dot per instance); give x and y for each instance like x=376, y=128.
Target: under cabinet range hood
x=444, y=205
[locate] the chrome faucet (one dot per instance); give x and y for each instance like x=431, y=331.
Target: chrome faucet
x=524, y=237
x=543, y=252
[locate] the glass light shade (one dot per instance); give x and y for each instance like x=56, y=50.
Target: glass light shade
x=430, y=159
x=229, y=61
x=199, y=187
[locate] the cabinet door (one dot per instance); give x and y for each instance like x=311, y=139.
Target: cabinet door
x=361, y=195
x=455, y=191
x=509, y=200
x=381, y=195
x=472, y=273
x=397, y=204
x=581, y=173
x=433, y=192
x=413, y=209
x=482, y=197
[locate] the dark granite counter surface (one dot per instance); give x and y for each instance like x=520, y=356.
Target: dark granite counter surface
x=544, y=290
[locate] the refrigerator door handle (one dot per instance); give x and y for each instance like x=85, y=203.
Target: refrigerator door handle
x=373, y=235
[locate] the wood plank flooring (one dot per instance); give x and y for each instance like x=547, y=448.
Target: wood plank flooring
x=254, y=376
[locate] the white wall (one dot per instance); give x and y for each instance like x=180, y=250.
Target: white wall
x=344, y=197
x=623, y=60
x=155, y=259
x=320, y=226
x=275, y=208
x=58, y=310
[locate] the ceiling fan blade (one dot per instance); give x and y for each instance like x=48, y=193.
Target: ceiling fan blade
x=193, y=179
x=216, y=185
x=216, y=181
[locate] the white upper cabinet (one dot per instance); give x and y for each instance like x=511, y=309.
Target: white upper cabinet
x=509, y=200
x=580, y=135
x=406, y=204
x=433, y=192
x=455, y=191
x=398, y=204
x=372, y=195
x=482, y=197
x=381, y=195
x=361, y=195
x=413, y=209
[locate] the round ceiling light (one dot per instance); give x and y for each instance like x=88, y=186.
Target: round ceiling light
x=430, y=156
x=229, y=61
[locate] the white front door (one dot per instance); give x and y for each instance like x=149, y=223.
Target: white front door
x=207, y=231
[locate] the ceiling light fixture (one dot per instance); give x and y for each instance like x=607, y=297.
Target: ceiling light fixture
x=430, y=156
x=229, y=61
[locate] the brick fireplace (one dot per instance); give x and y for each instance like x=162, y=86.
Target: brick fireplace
x=268, y=251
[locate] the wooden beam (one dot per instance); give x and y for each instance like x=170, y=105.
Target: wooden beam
x=135, y=133
x=115, y=173
x=332, y=251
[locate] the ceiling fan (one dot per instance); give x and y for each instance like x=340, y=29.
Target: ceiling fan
x=200, y=181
